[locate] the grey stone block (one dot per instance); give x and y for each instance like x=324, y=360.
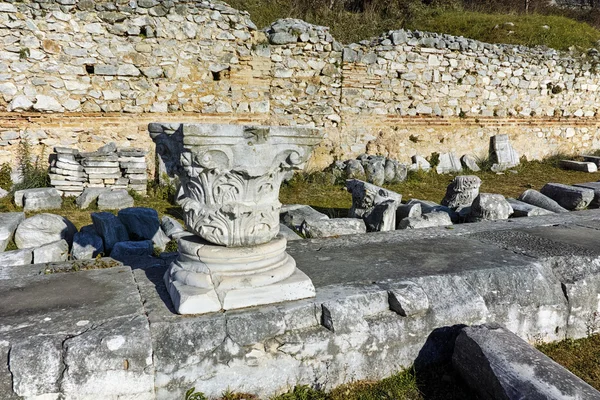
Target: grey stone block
x=366, y=196
x=469, y=163
x=51, y=202
x=122, y=250
x=462, y=191
x=114, y=200
x=408, y=211
x=16, y=257
x=43, y=229
x=8, y=225
x=569, y=197
x=375, y=171
x=38, y=193
x=36, y=373
x=491, y=207
x=595, y=186
x=497, y=364
x=333, y=227
x=538, y=199
x=51, y=252
x=110, y=229
x=141, y=222
x=296, y=214
x=502, y=153
x=87, y=245
x=354, y=170
x=430, y=206
x=171, y=227
x=579, y=166
x=449, y=163
x=407, y=298
x=382, y=217
x=429, y=220
x=88, y=196
x=522, y=209
x=594, y=159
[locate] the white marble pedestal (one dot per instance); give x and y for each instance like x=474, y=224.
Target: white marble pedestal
x=207, y=278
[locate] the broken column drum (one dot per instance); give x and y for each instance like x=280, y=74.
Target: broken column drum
x=230, y=177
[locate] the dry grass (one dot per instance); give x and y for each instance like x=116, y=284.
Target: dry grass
x=581, y=357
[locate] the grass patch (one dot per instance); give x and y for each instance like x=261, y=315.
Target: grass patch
x=581, y=357
x=333, y=198
x=352, y=21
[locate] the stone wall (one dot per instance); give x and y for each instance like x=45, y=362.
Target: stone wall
x=83, y=73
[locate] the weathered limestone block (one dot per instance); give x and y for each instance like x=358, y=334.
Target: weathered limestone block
x=407, y=299
x=87, y=245
x=110, y=229
x=375, y=171
x=88, y=196
x=141, y=222
x=355, y=170
x=537, y=199
x=122, y=250
x=490, y=207
x=469, y=163
x=429, y=220
x=51, y=252
x=42, y=229
x=594, y=159
x=171, y=227
x=38, y=193
x=502, y=153
x=497, y=364
x=114, y=200
x=569, y=197
x=579, y=166
x=382, y=217
x=333, y=227
x=16, y=257
x=595, y=186
x=430, y=206
x=8, y=226
x=522, y=209
x=462, y=191
x=366, y=196
x=294, y=215
x=448, y=163
x=408, y=210
x=420, y=162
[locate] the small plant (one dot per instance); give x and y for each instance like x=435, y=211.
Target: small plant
x=172, y=246
x=462, y=114
x=34, y=175
x=193, y=395
x=24, y=53
x=5, y=176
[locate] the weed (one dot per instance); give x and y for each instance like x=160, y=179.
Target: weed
x=34, y=173
x=193, y=395
x=171, y=246
x=5, y=176
x=24, y=53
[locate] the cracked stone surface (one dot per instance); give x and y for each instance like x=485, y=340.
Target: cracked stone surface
x=384, y=300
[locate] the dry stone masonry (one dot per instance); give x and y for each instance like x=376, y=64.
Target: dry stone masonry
x=63, y=65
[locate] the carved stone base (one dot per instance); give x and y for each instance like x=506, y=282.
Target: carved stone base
x=208, y=278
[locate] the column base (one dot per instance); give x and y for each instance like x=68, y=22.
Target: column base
x=208, y=278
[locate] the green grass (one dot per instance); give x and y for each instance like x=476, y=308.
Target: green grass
x=353, y=21
x=527, y=30
x=335, y=200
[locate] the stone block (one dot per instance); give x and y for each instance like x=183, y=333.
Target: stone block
x=171, y=227
x=538, y=199
x=408, y=210
x=595, y=186
x=502, y=153
x=87, y=245
x=579, y=166
x=141, y=222
x=354, y=170
x=497, y=364
x=288, y=233
x=420, y=162
x=295, y=215
x=51, y=252
x=16, y=257
x=8, y=226
x=569, y=197
x=88, y=196
x=366, y=196
x=42, y=229
x=429, y=220
x=594, y=159
x=122, y=250
x=382, y=217
x=110, y=229
x=114, y=200
x=490, y=207
x=522, y=209
x=448, y=163
x=462, y=191
x=333, y=227
x=375, y=171
x=34, y=193
x=469, y=163
x=34, y=202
